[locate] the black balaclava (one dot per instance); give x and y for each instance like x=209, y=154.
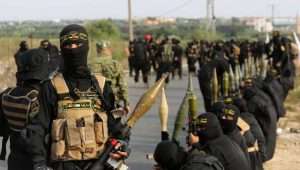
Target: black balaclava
x=229, y=118
x=169, y=155
x=217, y=108
x=209, y=127
x=241, y=104
x=45, y=44
x=75, y=60
x=23, y=46
x=33, y=65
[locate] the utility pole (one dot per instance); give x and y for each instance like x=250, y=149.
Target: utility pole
x=273, y=14
x=213, y=27
x=297, y=28
x=130, y=26
x=210, y=16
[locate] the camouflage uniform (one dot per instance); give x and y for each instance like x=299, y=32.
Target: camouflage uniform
x=113, y=71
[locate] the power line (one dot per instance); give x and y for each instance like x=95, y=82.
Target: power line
x=185, y=3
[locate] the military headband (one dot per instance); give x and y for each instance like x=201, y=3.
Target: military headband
x=73, y=36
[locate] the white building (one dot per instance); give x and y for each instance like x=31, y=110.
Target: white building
x=260, y=24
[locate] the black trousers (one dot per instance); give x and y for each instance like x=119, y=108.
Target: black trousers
x=19, y=161
x=145, y=73
x=177, y=66
x=3, y=148
x=164, y=68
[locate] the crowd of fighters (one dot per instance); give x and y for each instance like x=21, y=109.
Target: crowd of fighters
x=244, y=86
x=65, y=120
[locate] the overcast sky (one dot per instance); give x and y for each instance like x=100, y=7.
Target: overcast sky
x=93, y=9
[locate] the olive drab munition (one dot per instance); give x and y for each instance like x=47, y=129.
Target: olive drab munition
x=237, y=77
x=232, y=81
x=225, y=84
x=215, y=87
x=192, y=100
x=188, y=107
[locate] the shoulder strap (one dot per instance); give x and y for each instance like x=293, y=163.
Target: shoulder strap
x=100, y=80
x=32, y=94
x=60, y=84
x=8, y=91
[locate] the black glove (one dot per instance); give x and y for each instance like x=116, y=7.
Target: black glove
x=164, y=136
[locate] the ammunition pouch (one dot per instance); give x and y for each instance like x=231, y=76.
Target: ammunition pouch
x=80, y=130
x=21, y=108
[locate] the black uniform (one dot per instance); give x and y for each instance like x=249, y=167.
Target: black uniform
x=77, y=76
x=165, y=57
x=228, y=117
x=54, y=57
x=23, y=48
x=151, y=47
x=26, y=115
x=275, y=90
x=254, y=137
x=170, y=156
x=131, y=57
x=197, y=159
x=141, y=61
x=177, y=60
x=205, y=75
x=4, y=132
x=214, y=142
x=192, y=55
x=261, y=106
x=287, y=74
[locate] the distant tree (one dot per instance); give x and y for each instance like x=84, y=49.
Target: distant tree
x=201, y=34
x=103, y=29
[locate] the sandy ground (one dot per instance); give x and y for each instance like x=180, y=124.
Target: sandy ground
x=288, y=144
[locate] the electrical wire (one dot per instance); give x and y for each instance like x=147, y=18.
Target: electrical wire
x=185, y=3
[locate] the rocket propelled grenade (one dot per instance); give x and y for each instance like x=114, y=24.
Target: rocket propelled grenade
x=188, y=107
x=146, y=102
x=192, y=100
x=232, y=80
x=225, y=84
x=214, y=87
x=180, y=118
x=163, y=111
x=123, y=130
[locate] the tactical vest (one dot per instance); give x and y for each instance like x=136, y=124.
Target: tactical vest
x=80, y=130
x=167, y=54
x=21, y=108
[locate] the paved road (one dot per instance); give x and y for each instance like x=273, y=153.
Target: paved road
x=146, y=133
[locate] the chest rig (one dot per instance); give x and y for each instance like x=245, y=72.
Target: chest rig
x=80, y=130
x=20, y=108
